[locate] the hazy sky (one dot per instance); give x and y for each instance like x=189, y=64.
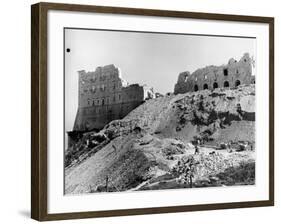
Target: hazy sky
x=146, y=58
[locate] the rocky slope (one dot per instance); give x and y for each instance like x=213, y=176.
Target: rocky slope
x=141, y=151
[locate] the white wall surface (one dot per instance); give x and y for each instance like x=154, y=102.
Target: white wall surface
x=15, y=111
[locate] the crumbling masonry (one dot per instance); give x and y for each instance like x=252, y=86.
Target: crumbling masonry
x=104, y=96
x=211, y=77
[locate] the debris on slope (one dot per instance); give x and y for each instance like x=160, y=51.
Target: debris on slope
x=184, y=116
x=140, y=151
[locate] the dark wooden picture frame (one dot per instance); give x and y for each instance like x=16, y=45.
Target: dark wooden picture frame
x=39, y=107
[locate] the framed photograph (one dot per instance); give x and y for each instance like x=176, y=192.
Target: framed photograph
x=141, y=111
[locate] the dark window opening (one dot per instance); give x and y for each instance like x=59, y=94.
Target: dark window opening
x=225, y=72
x=102, y=102
x=196, y=88
x=205, y=86
x=226, y=84
x=215, y=85
x=237, y=83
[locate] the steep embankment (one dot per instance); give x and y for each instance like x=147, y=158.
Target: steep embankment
x=141, y=150
x=218, y=114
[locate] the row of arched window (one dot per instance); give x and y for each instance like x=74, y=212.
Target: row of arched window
x=216, y=85
x=104, y=77
x=103, y=101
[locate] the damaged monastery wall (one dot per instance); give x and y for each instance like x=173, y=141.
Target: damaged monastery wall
x=104, y=96
x=231, y=75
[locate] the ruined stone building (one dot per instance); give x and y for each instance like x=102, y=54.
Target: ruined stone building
x=211, y=77
x=104, y=96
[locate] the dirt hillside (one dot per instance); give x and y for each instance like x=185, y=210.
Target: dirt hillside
x=142, y=150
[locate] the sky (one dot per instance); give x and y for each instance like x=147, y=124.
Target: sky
x=147, y=58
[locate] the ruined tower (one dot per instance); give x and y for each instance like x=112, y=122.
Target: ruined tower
x=104, y=96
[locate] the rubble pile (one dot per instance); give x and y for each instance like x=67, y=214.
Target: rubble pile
x=216, y=128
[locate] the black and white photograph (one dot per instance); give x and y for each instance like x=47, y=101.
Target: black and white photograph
x=157, y=111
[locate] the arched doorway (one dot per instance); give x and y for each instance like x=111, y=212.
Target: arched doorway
x=226, y=84
x=215, y=85
x=205, y=86
x=196, y=88
x=237, y=83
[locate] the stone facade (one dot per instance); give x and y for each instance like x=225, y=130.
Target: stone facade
x=104, y=96
x=211, y=77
